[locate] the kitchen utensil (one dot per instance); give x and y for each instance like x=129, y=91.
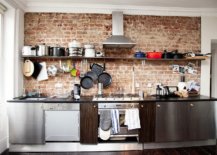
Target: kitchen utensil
x=105, y=78
x=86, y=82
x=93, y=75
x=77, y=91
x=65, y=67
x=58, y=51
x=171, y=90
x=78, y=70
x=154, y=55
x=43, y=73
x=167, y=55
x=100, y=88
x=177, y=55
x=139, y=54
x=42, y=50
x=74, y=70
x=158, y=91
x=99, y=54
x=28, y=68
x=133, y=81
x=37, y=69
x=52, y=70
x=28, y=51
x=98, y=69
x=89, y=50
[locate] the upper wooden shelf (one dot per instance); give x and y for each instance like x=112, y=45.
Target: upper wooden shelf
x=113, y=58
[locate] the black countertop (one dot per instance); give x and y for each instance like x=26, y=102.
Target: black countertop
x=86, y=99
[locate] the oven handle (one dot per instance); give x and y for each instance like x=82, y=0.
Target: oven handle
x=121, y=111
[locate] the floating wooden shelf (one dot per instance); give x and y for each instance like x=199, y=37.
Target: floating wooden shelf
x=113, y=58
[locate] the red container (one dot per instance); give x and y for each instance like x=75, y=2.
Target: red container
x=154, y=55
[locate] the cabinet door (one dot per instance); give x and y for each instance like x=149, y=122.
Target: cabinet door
x=88, y=123
x=26, y=123
x=171, y=121
x=201, y=120
x=147, y=120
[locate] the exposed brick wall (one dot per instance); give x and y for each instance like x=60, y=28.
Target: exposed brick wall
x=149, y=32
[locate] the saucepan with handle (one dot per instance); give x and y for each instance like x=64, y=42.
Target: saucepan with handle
x=105, y=78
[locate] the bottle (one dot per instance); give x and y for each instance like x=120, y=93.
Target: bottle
x=158, y=91
x=77, y=91
x=100, y=89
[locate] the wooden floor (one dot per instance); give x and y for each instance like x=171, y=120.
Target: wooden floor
x=205, y=150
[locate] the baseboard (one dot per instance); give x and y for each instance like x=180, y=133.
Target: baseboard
x=6, y=152
x=3, y=145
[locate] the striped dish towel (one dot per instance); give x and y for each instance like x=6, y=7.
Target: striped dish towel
x=115, y=121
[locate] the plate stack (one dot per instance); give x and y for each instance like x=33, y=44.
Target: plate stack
x=75, y=51
x=75, y=48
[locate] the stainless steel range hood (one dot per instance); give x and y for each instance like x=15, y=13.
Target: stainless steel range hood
x=118, y=39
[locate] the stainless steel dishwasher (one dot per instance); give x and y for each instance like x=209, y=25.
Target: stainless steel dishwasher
x=26, y=123
x=62, y=122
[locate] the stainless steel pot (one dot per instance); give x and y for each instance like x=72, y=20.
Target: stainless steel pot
x=41, y=50
x=57, y=51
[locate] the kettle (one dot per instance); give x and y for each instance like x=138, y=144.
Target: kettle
x=42, y=50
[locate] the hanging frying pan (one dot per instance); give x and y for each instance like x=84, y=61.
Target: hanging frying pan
x=86, y=82
x=93, y=75
x=105, y=78
x=98, y=69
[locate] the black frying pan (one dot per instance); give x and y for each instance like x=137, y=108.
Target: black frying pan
x=105, y=78
x=86, y=82
x=98, y=69
x=93, y=75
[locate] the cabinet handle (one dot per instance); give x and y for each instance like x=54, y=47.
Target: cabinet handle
x=94, y=106
x=191, y=104
x=142, y=106
x=158, y=105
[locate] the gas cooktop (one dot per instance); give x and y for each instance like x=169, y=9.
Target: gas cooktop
x=117, y=97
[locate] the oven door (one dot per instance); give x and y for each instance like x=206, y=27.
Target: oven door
x=124, y=132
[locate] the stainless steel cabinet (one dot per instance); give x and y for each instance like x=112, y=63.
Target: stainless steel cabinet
x=26, y=123
x=201, y=122
x=171, y=121
x=184, y=121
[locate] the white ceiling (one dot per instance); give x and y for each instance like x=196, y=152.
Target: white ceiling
x=159, y=3
x=192, y=7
